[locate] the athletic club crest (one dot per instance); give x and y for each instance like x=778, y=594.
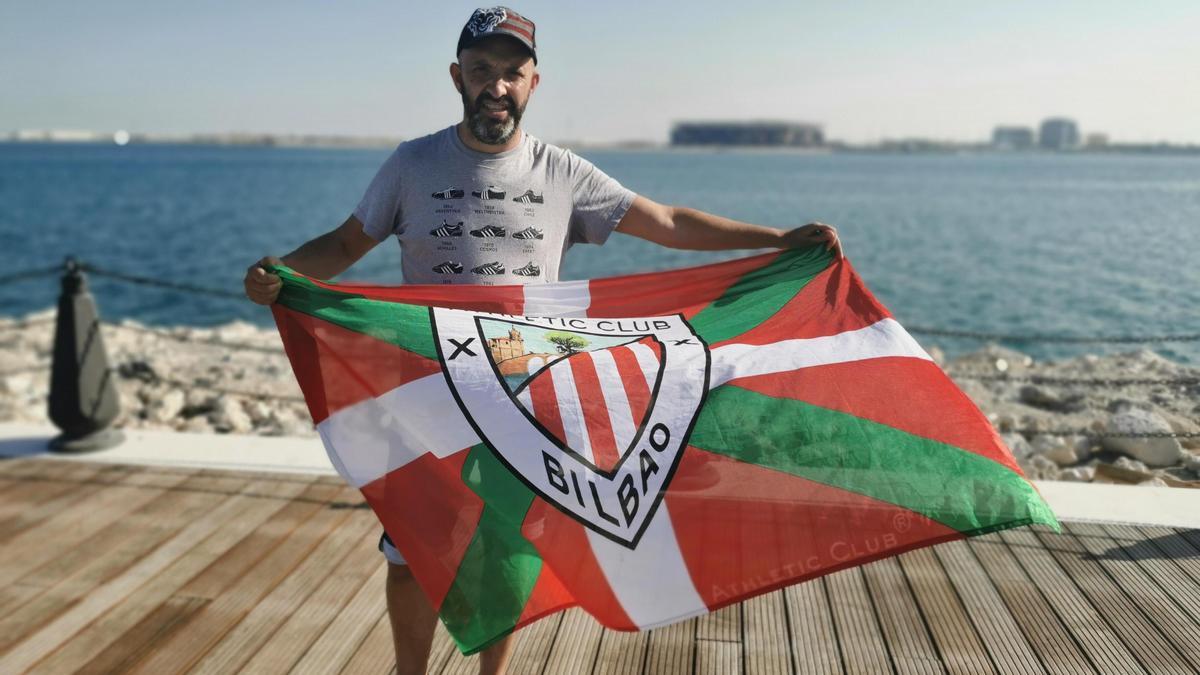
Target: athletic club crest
x=592, y=414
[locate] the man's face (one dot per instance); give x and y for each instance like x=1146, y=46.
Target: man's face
x=495, y=79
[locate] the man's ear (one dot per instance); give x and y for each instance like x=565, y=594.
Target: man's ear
x=533, y=83
x=456, y=76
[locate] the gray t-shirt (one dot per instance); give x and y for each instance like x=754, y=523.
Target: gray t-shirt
x=468, y=217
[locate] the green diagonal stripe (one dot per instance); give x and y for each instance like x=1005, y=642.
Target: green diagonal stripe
x=759, y=294
x=957, y=488
x=500, y=567
x=406, y=326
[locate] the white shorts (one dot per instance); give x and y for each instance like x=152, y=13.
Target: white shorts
x=389, y=551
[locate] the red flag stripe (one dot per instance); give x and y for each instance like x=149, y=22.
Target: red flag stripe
x=636, y=388
x=595, y=411
x=330, y=381
x=912, y=395
x=737, y=544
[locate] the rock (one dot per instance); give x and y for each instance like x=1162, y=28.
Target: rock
x=1018, y=445
x=260, y=412
x=17, y=384
x=1152, y=451
x=138, y=369
x=1154, y=482
x=229, y=416
x=1062, y=451
x=166, y=407
x=1005, y=423
x=994, y=359
x=935, y=352
x=1043, y=397
x=1131, y=465
x=199, y=402
x=1039, y=468
x=195, y=425
x=1078, y=474
x=1191, y=462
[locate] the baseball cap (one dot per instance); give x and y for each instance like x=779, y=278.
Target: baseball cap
x=486, y=22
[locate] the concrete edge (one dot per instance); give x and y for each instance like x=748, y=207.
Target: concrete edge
x=1169, y=507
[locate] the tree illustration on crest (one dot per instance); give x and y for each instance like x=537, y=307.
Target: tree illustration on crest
x=567, y=343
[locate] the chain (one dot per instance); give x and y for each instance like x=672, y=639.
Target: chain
x=159, y=283
x=1073, y=339
x=1107, y=434
x=1090, y=381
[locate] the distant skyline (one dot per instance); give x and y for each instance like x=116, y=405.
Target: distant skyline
x=610, y=72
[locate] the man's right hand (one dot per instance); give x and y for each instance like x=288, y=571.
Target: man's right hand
x=262, y=286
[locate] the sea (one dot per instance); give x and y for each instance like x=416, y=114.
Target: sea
x=1078, y=245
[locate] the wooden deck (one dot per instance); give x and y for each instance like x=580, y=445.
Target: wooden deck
x=108, y=568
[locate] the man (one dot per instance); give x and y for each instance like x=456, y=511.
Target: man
x=482, y=202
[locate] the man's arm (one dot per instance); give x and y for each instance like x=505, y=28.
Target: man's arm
x=677, y=227
x=324, y=257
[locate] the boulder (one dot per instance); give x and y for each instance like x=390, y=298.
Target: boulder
x=1152, y=451
x=166, y=408
x=1078, y=474
x=1018, y=445
x=1037, y=467
x=1061, y=450
x=228, y=415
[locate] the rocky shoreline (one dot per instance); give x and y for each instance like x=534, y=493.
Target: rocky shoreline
x=181, y=379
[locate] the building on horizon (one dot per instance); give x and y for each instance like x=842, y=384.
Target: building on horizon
x=761, y=134
x=1095, y=141
x=1058, y=133
x=1012, y=138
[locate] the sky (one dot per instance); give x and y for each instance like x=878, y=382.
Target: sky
x=612, y=71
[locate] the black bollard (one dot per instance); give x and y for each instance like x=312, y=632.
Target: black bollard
x=83, y=394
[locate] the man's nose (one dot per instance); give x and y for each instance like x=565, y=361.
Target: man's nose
x=497, y=88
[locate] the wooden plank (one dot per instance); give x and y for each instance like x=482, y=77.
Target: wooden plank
x=1149, y=547
x=993, y=621
x=84, y=567
x=533, y=644
x=1174, y=624
x=860, y=638
x=441, y=651
x=301, y=526
x=1138, y=633
x=285, y=647
x=766, y=635
x=813, y=638
x=143, y=637
x=1046, y=634
x=621, y=652
x=37, y=497
x=723, y=624
x=671, y=649
x=1089, y=629
x=376, y=653
x=718, y=657
x=961, y=649
x=121, y=603
x=576, y=644
x=911, y=647
x=1178, y=548
x=240, y=644
x=231, y=567
x=336, y=645
x=38, y=546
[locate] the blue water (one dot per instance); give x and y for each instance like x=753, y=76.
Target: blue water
x=1077, y=245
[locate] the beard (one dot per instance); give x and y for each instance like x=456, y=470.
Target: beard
x=485, y=129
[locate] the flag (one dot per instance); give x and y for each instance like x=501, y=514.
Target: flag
x=647, y=447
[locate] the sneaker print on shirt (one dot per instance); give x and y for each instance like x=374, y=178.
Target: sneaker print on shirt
x=528, y=233
x=492, y=192
x=450, y=193
x=530, y=197
x=529, y=270
x=449, y=267
x=489, y=231
x=489, y=269
x=447, y=230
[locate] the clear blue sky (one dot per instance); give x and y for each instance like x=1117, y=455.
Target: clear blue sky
x=613, y=70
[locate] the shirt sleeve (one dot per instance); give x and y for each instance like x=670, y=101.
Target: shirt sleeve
x=379, y=208
x=599, y=202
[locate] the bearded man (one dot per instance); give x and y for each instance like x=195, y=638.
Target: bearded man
x=483, y=202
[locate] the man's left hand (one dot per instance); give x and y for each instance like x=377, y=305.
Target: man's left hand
x=814, y=234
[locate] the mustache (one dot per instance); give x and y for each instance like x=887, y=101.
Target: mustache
x=486, y=98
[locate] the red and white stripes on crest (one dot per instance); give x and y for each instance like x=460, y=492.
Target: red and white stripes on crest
x=594, y=402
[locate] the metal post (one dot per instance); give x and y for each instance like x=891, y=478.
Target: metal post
x=83, y=393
